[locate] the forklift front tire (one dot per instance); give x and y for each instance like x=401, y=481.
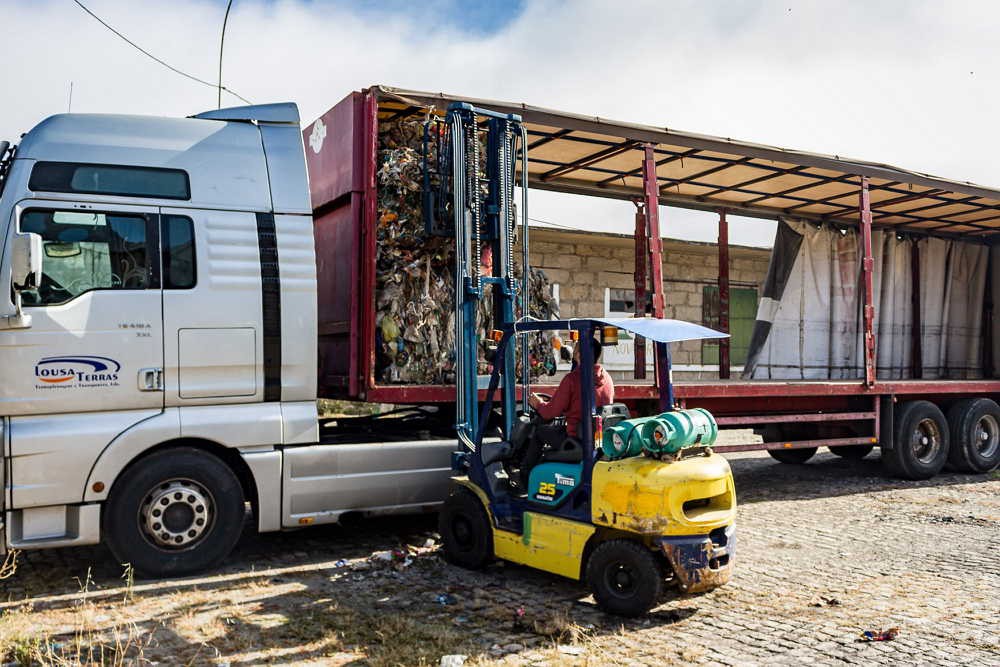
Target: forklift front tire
x=466, y=533
x=625, y=577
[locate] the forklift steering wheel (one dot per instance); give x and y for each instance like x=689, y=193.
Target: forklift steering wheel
x=534, y=413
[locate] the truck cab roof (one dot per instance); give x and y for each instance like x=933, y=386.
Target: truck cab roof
x=243, y=158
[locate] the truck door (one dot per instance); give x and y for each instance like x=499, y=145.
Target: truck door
x=90, y=365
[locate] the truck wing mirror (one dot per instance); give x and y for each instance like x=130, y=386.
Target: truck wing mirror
x=26, y=261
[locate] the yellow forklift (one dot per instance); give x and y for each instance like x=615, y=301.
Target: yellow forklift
x=632, y=506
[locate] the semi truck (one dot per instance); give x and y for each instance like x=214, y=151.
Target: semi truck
x=182, y=290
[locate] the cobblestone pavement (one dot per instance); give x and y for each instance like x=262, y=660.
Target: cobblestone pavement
x=826, y=550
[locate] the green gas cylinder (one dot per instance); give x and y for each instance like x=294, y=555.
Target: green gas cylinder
x=672, y=431
x=623, y=439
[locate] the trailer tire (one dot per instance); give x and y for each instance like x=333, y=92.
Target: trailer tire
x=625, y=577
x=792, y=456
x=466, y=530
x=921, y=440
x=852, y=452
x=975, y=435
x=177, y=511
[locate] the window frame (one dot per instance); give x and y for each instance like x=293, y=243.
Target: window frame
x=153, y=256
x=32, y=185
x=710, y=344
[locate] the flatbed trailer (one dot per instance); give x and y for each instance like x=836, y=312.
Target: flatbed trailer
x=653, y=167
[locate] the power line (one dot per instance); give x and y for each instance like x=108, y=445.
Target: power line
x=150, y=55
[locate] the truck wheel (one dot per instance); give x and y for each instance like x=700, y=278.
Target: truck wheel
x=466, y=532
x=852, y=452
x=178, y=511
x=975, y=435
x=625, y=577
x=792, y=456
x=921, y=442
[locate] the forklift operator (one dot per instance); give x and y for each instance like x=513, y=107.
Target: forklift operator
x=566, y=401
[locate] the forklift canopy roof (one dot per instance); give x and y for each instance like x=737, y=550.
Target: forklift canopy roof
x=662, y=330
x=595, y=156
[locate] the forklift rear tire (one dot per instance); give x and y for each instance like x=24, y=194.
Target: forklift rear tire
x=975, y=435
x=625, y=577
x=792, y=456
x=466, y=532
x=852, y=452
x=921, y=442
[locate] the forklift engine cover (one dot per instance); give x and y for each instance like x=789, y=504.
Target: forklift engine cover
x=693, y=496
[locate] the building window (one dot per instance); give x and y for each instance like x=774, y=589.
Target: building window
x=742, y=313
x=621, y=302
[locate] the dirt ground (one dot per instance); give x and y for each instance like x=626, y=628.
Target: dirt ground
x=825, y=552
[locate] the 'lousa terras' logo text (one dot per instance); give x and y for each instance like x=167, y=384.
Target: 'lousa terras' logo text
x=77, y=371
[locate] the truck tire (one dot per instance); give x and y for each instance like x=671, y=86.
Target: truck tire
x=466, y=531
x=178, y=511
x=975, y=435
x=625, y=577
x=792, y=456
x=920, y=441
x=852, y=452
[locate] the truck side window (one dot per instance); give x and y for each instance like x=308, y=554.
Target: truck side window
x=177, y=234
x=87, y=251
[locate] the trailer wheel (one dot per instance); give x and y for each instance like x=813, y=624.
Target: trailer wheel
x=625, y=577
x=975, y=435
x=852, y=452
x=792, y=456
x=177, y=511
x=466, y=531
x=921, y=441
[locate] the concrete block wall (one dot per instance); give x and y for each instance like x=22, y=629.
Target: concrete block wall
x=585, y=263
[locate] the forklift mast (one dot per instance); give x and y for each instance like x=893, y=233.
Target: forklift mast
x=475, y=176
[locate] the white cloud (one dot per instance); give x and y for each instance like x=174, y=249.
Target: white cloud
x=912, y=83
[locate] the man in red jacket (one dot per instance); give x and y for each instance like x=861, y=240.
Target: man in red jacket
x=566, y=401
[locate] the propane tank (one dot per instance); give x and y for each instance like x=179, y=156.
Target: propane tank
x=623, y=439
x=672, y=431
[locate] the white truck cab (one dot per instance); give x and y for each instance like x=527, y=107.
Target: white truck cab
x=158, y=343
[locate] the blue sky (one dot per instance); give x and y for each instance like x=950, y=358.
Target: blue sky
x=479, y=17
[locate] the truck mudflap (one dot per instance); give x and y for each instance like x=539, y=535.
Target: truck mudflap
x=701, y=562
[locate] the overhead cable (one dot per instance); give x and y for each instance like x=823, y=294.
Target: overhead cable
x=162, y=62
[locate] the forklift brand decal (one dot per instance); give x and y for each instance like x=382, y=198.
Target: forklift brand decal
x=76, y=371
x=562, y=480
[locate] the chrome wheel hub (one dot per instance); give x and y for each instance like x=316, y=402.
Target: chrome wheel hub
x=177, y=513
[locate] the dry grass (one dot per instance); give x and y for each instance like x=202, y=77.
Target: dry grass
x=88, y=637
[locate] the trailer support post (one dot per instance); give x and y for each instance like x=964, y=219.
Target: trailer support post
x=723, y=294
x=651, y=192
x=867, y=265
x=916, y=340
x=641, y=277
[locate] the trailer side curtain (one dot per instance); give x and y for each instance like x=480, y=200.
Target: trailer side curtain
x=810, y=326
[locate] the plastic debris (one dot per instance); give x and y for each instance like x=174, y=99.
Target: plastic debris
x=414, y=287
x=879, y=635
x=445, y=598
x=824, y=601
x=340, y=563
x=455, y=660
x=565, y=649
